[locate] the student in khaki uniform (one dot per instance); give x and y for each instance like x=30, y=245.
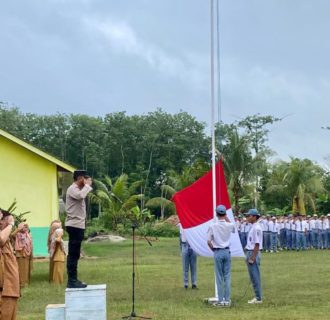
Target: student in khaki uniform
x=56, y=224
x=9, y=277
x=23, y=251
x=57, y=253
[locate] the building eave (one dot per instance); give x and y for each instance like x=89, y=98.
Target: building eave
x=61, y=166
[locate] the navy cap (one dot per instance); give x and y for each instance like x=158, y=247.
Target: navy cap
x=221, y=209
x=80, y=173
x=253, y=212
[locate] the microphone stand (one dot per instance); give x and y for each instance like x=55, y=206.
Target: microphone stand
x=133, y=313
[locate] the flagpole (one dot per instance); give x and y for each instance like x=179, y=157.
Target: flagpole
x=212, y=300
x=213, y=112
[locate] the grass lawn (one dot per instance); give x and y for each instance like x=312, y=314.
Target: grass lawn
x=295, y=285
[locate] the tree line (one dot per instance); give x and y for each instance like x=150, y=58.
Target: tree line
x=156, y=154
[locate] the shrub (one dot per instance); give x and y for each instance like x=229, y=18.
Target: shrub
x=160, y=229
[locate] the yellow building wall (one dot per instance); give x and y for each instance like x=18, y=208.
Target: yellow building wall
x=32, y=180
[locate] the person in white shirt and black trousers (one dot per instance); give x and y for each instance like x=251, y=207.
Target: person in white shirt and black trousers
x=219, y=241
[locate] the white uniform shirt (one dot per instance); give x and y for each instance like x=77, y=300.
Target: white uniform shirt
x=266, y=225
x=325, y=225
x=254, y=236
x=312, y=224
x=238, y=225
x=279, y=227
x=246, y=227
x=308, y=225
x=301, y=226
x=272, y=226
x=182, y=235
x=318, y=224
x=219, y=233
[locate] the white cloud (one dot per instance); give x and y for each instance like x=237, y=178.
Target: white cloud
x=121, y=37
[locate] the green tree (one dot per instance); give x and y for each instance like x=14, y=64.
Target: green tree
x=304, y=180
x=238, y=163
x=257, y=132
x=115, y=200
x=295, y=184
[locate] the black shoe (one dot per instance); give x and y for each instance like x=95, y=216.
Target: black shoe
x=186, y=287
x=194, y=287
x=83, y=283
x=76, y=284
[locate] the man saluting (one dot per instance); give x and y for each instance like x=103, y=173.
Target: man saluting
x=75, y=223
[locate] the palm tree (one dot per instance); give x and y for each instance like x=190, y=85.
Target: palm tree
x=115, y=200
x=304, y=180
x=171, y=183
x=238, y=164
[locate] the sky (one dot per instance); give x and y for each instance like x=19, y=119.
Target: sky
x=103, y=56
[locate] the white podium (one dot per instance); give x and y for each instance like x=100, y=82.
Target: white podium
x=55, y=312
x=81, y=304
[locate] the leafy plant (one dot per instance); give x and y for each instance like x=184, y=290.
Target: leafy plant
x=19, y=217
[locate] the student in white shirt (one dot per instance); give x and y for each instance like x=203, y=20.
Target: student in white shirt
x=323, y=233
x=301, y=233
x=272, y=227
x=289, y=223
x=245, y=228
x=282, y=233
x=294, y=233
x=189, y=261
x=309, y=233
x=318, y=228
x=253, y=247
x=328, y=231
x=267, y=233
x=218, y=239
x=314, y=231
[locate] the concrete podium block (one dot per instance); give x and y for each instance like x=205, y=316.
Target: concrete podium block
x=86, y=304
x=55, y=312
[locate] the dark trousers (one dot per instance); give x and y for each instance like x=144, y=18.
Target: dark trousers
x=76, y=236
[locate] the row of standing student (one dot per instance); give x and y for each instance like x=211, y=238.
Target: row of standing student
x=290, y=233
x=16, y=261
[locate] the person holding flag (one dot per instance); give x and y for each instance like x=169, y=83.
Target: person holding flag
x=219, y=241
x=253, y=247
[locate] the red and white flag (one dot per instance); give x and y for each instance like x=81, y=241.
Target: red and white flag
x=194, y=206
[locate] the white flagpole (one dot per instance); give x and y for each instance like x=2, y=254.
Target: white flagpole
x=213, y=112
x=213, y=129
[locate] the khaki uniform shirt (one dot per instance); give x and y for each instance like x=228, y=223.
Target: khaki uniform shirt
x=59, y=254
x=75, y=206
x=9, y=278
